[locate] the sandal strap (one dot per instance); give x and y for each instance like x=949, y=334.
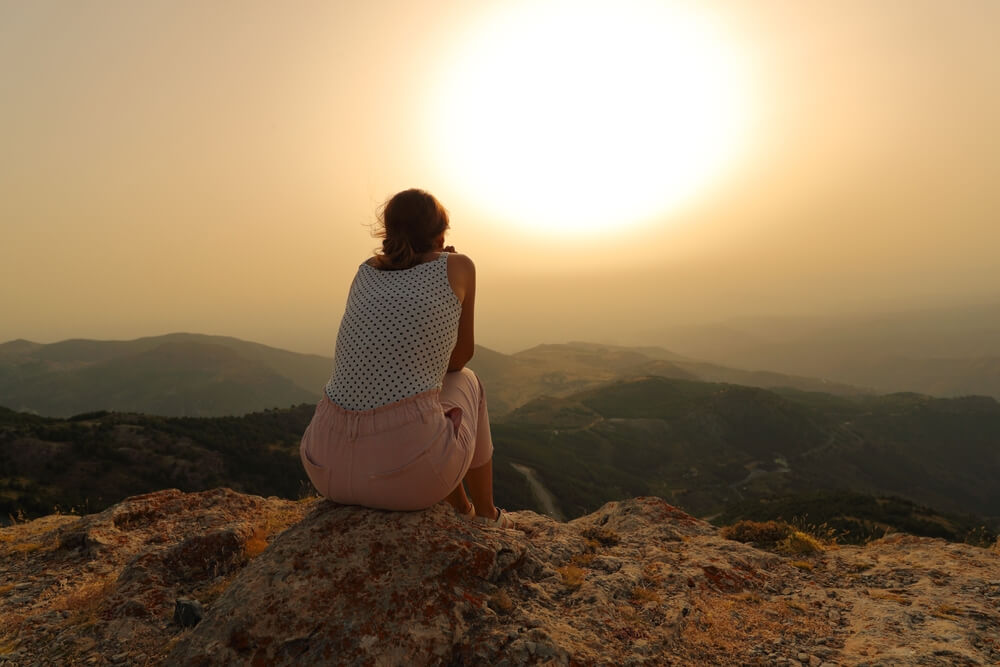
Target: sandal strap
x=502, y=520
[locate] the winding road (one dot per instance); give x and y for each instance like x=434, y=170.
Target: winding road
x=544, y=496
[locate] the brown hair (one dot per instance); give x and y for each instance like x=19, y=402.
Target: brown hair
x=408, y=223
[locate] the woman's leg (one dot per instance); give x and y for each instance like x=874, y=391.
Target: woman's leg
x=463, y=390
x=480, y=482
x=458, y=500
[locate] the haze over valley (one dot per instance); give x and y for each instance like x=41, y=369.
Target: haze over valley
x=575, y=424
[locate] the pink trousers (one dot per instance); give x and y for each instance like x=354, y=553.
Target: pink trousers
x=407, y=455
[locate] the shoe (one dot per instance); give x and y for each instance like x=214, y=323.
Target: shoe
x=502, y=521
x=469, y=514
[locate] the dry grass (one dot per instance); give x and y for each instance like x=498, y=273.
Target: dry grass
x=949, y=611
x=84, y=602
x=798, y=542
x=803, y=565
x=749, y=596
x=605, y=536
x=256, y=543
x=501, y=602
x=572, y=576
x=584, y=559
x=630, y=616
x=879, y=594
x=211, y=592
x=270, y=525
x=796, y=605
x=5, y=588
x=27, y=547
x=642, y=594
x=654, y=572
x=761, y=533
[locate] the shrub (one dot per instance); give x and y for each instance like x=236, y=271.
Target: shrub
x=572, y=576
x=759, y=533
x=800, y=543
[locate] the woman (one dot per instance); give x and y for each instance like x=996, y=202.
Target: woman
x=402, y=422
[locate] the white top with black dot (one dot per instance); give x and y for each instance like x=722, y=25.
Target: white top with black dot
x=396, y=337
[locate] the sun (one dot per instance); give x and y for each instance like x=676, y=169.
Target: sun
x=580, y=117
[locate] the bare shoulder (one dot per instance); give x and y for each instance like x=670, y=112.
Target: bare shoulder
x=461, y=276
x=461, y=264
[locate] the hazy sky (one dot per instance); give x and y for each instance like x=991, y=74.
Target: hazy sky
x=212, y=166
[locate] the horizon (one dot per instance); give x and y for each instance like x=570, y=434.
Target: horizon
x=214, y=168
x=770, y=323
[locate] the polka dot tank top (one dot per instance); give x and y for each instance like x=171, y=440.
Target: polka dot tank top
x=397, y=335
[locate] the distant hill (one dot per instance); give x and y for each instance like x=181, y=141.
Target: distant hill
x=174, y=375
x=94, y=460
x=942, y=352
x=715, y=449
x=706, y=446
x=197, y=375
x=560, y=370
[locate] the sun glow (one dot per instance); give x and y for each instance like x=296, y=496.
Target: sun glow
x=583, y=116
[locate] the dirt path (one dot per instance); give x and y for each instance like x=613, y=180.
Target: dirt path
x=543, y=495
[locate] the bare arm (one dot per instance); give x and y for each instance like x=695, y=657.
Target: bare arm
x=462, y=276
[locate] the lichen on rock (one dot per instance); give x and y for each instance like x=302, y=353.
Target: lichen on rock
x=636, y=582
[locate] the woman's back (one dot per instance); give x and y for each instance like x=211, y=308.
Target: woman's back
x=397, y=335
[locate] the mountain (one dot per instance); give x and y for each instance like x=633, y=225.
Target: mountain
x=942, y=352
x=91, y=461
x=707, y=447
x=210, y=376
x=559, y=370
x=176, y=374
x=222, y=578
x=704, y=446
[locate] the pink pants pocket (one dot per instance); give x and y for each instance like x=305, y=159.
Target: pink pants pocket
x=455, y=415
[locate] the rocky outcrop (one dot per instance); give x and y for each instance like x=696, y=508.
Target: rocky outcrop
x=102, y=589
x=637, y=582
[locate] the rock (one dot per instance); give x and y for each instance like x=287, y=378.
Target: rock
x=638, y=582
x=187, y=612
x=132, y=608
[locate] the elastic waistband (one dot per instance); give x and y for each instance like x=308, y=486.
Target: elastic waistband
x=420, y=407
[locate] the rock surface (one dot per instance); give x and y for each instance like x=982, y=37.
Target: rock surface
x=637, y=582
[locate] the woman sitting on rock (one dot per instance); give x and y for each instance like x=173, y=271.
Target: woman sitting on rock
x=402, y=422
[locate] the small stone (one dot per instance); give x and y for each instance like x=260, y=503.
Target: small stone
x=786, y=591
x=187, y=612
x=828, y=664
x=119, y=657
x=802, y=656
x=814, y=661
x=134, y=608
x=792, y=662
x=834, y=615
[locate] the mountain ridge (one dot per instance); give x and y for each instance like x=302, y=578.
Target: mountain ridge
x=83, y=375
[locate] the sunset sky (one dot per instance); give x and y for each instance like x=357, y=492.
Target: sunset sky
x=612, y=168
